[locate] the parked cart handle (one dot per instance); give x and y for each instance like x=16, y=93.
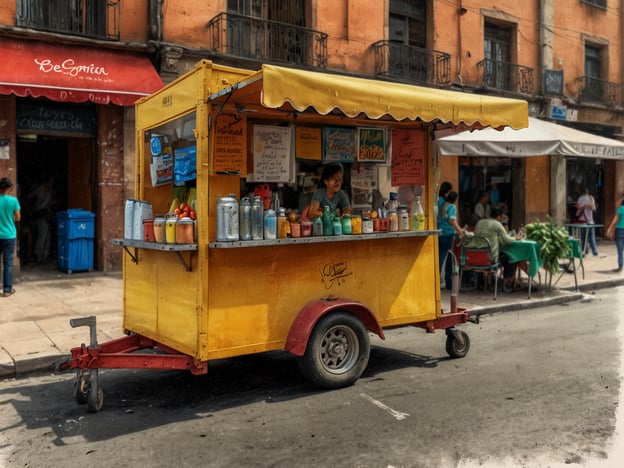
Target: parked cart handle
x=87, y=322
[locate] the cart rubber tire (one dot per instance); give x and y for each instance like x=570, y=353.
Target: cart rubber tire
x=95, y=399
x=337, y=352
x=454, y=348
x=81, y=390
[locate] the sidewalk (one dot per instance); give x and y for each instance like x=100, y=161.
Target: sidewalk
x=35, y=330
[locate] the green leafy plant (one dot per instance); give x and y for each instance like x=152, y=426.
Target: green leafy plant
x=553, y=241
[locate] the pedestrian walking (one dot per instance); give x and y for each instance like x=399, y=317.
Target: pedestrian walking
x=9, y=216
x=585, y=207
x=616, y=231
x=449, y=227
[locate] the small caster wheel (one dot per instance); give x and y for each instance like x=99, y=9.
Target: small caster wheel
x=81, y=390
x=457, y=343
x=95, y=399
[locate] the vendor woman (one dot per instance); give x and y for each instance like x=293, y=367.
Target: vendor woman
x=329, y=193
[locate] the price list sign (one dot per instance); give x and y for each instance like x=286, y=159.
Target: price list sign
x=272, y=156
x=230, y=143
x=408, y=157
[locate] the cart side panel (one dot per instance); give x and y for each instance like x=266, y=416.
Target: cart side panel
x=255, y=293
x=161, y=300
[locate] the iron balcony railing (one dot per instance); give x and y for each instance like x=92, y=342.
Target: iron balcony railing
x=264, y=40
x=506, y=76
x=98, y=19
x=598, y=91
x=411, y=63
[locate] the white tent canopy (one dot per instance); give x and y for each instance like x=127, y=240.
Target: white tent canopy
x=538, y=139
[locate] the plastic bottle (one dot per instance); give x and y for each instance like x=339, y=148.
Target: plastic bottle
x=347, y=226
x=418, y=216
x=270, y=224
x=337, y=227
x=393, y=203
x=404, y=218
x=282, y=224
x=327, y=222
x=393, y=220
x=244, y=219
x=317, y=227
x=257, y=218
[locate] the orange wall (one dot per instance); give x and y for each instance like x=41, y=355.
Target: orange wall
x=537, y=188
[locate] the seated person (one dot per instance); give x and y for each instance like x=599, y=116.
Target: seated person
x=493, y=230
x=329, y=193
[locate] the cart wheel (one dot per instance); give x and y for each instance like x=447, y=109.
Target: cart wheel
x=457, y=344
x=337, y=351
x=95, y=399
x=81, y=389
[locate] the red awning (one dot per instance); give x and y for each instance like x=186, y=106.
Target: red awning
x=75, y=74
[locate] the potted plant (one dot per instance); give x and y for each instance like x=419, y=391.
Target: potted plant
x=553, y=241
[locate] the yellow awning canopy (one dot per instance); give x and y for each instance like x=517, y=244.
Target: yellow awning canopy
x=280, y=87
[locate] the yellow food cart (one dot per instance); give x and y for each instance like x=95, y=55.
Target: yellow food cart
x=317, y=297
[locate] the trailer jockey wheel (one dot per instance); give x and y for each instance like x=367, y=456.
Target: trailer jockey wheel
x=95, y=398
x=81, y=387
x=457, y=343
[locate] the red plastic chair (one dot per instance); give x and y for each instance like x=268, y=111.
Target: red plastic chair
x=480, y=260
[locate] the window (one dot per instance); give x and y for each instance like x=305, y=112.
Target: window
x=497, y=55
x=593, y=73
x=94, y=18
x=598, y=3
x=408, y=22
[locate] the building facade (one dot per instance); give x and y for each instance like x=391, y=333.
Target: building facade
x=564, y=57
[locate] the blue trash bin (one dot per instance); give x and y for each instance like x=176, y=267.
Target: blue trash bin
x=75, y=231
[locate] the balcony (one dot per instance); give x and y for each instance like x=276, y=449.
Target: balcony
x=505, y=76
x=263, y=40
x=598, y=91
x=411, y=63
x=97, y=19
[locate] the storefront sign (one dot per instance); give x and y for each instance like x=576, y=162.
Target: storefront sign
x=52, y=118
x=230, y=144
x=371, y=145
x=308, y=143
x=408, y=157
x=339, y=144
x=272, y=155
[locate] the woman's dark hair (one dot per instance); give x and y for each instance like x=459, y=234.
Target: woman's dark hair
x=451, y=197
x=495, y=212
x=328, y=171
x=5, y=183
x=445, y=187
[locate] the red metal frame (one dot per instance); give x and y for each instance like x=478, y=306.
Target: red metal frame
x=444, y=321
x=120, y=354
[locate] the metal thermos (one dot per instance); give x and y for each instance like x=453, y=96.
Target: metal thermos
x=257, y=218
x=244, y=218
x=227, y=219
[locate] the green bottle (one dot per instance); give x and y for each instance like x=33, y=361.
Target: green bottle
x=327, y=222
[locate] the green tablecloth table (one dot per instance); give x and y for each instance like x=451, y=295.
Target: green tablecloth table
x=524, y=250
x=574, y=254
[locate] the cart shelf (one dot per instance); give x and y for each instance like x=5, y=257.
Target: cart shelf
x=139, y=244
x=321, y=239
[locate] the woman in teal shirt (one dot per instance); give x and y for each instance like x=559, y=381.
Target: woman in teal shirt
x=447, y=223
x=9, y=215
x=616, y=231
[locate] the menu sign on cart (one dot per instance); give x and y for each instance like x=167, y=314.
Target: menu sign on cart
x=339, y=144
x=230, y=144
x=272, y=160
x=308, y=143
x=408, y=157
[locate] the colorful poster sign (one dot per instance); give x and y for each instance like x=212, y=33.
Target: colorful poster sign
x=371, y=145
x=339, y=144
x=408, y=157
x=230, y=144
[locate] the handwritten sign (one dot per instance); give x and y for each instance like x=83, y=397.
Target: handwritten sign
x=339, y=144
x=334, y=273
x=230, y=145
x=408, y=157
x=50, y=117
x=271, y=151
x=372, y=147
x=308, y=143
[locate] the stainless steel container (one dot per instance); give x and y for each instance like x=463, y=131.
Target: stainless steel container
x=244, y=218
x=227, y=219
x=257, y=218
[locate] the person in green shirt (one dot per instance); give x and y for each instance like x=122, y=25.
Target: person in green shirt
x=616, y=231
x=9, y=215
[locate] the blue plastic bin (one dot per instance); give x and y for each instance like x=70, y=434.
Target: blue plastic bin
x=75, y=233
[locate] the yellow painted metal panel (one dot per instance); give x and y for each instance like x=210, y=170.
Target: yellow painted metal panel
x=255, y=293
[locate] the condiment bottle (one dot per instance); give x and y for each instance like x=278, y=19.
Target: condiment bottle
x=393, y=221
x=418, y=215
x=270, y=224
x=159, y=229
x=244, y=219
x=393, y=203
x=327, y=222
x=317, y=226
x=170, y=229
x=257, y=218
x=282, y=224
x=404, y=218
x=356, y=224
x=347, y=227
x=337, y=227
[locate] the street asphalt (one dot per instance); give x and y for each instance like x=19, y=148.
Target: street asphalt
x=35, y=331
